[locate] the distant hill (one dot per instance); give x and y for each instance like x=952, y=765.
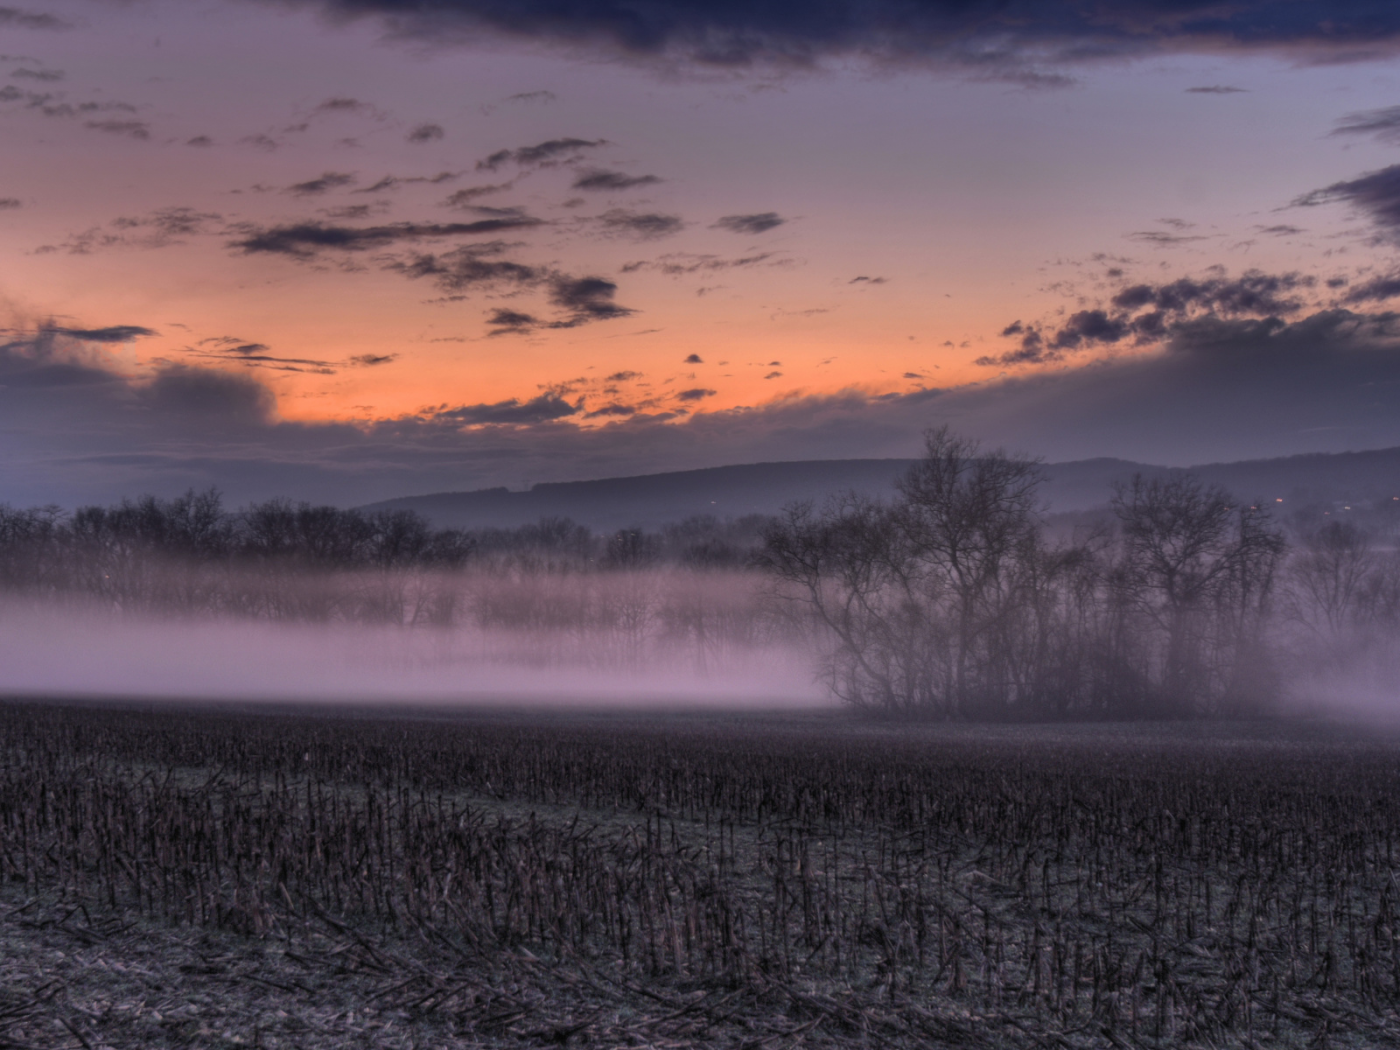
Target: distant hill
x=651, y=500
x=654, y=499
x=1319, y=477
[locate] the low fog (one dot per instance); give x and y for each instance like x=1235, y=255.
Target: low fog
x=63, y=649
x=955, y=599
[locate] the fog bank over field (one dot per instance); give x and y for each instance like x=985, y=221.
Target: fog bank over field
x=67, y=649
x=956, y=597
x=61, y=649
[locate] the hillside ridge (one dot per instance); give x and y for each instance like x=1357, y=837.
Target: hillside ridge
x=731, y=491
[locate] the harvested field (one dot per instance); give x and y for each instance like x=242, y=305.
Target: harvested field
x=205, y=877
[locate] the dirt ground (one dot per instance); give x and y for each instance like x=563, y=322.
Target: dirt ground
x=77, y=971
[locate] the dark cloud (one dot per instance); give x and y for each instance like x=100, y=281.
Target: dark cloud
x=645, y=225
x=1090, y=326
x=463, y=198
x=120, y=333
x=471, y=267
x=51, y=370
x=343, y=104
x=694, y=359
x=623, y=377
x=372, y=360
x=522, y=98
x=281, y=364
x=165, y=226
x=1281, y=229
x=1253, y=292
x=866, y=280
x=259, y=355
x=331, y=180
x=581, y=300
x=171, y=222
x=158, y=229
x=53, y=104
x=759, y=222
x=304, y=240
x=132, y=129
x=695, y=394
x=486, y=211
x=1377, y=289
x=46, y=75
x=542, y=153
x=599, y=179
x=1215, y=89
x=353, y=211
x=200, y=140
x=1021, y=42
x=49, y=104
x=1148, y=313
x=511, y=322
x=1376, y=193
x=1384, y=124
x=542, y=409
x=679, y=264
x=393, y=182
x=7, y=203
x=427, y=133
x=1163, y=239
x=209, y=395
x=586, y=299
x=613, y=409
x=48, y=359
x=1031, y=351
x=15, y=18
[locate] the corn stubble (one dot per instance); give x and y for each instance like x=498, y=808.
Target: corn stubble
x=222, y=878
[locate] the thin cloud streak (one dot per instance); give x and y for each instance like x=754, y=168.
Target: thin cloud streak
x=303, y=240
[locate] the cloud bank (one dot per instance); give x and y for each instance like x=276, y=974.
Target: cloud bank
x=991, y=37
x=80, y=429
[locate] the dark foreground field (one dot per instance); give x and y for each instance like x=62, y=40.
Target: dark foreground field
x=222, y=878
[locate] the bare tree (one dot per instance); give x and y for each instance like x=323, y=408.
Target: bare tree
x=1200, y=566
x=919, y=595
x=968, y=522
x=1327, y=581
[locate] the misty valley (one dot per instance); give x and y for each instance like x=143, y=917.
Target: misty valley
x=938, y=769
x=956, y=596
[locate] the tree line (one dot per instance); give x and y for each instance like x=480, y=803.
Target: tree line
x=549, y=591
x=952, y=599
x=109, y=549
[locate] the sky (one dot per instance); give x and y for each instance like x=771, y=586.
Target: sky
x=346, y=250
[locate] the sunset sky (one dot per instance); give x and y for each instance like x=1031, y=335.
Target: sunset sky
x=346, y=250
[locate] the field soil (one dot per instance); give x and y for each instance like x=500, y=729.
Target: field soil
x=216, y=877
